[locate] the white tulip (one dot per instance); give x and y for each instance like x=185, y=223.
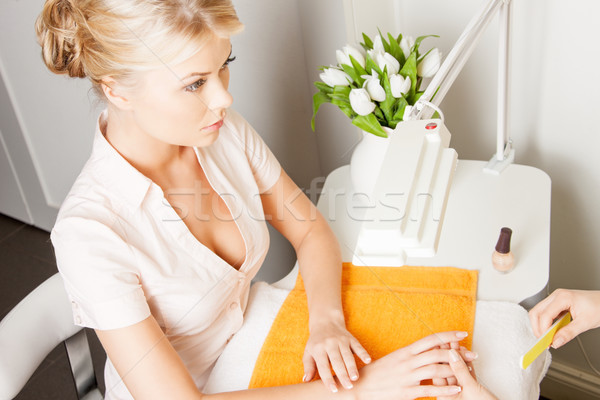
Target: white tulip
x=343, y=56
x=407, y=111
x=361, y=102
x=388, y=60
x=430, y=64
x=399, y=85
x=374, y=88
x=378, y=44
x=406, y=45
x=334, y=77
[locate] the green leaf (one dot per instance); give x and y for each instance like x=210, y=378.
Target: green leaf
x=401, y=105
x=348, y=111
x=371, y=65
x=410, y=69
x=395, y=50
x=353, y=74
x=340, y=96
x=379, y=114
x=368, y=45
x=359, y=68
x=399, y=39
x=342, y=90
x=318, y=99
x=386, y=45
x=369, y=124
x=420, y=39
x=323, y=87
x=388, y=103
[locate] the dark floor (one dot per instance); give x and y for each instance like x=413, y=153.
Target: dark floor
x=26, y=260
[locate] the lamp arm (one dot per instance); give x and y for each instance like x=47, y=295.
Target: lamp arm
x=456, y=60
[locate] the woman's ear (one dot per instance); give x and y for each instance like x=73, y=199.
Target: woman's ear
x=115, y=94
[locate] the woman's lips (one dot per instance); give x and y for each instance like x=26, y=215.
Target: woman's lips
x=214, y=127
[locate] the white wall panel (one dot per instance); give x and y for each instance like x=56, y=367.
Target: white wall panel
x=12, y=200
x=55, y=114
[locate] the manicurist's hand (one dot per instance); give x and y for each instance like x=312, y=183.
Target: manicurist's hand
x=398, y=375
x=465, y=375
x=584, y=306
x=330, y=345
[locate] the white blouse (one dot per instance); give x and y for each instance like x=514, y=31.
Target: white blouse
x=124, y=252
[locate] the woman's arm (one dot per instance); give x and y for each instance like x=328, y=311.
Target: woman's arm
x=319, y=257
x=151, y=369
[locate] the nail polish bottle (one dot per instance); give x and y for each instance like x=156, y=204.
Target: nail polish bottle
x=502, y=258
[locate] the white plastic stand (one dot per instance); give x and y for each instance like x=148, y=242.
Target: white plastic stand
x=403, y=217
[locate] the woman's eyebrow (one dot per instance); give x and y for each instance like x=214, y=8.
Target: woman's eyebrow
x=207, y=73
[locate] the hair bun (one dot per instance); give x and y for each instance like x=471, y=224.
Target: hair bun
x=56, y=30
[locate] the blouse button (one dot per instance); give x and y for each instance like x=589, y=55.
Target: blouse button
x=74, y=305
x=233, y=306
x=78, y=320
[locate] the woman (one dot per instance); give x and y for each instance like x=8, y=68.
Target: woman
x=164, y=228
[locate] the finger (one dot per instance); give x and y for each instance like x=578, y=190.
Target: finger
x=567, y=333
x=440, y=382
x=429, y=357
x=536, y=312
x=360, y=351
x=340, y=368
x=452, y=381
x=325, y=373
x=437, y=339
x=350, y=363
x=432, y=371
x=441, y=392
x=460, y=369
x=558, y=302
x=309, y=367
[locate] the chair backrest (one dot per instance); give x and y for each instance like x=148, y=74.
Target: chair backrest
x=32, y=329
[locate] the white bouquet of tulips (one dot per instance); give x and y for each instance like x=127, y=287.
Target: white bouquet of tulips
x=377, y=85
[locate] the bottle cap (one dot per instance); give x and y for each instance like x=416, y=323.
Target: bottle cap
x=503, y=245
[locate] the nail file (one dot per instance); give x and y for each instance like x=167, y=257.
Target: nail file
x=544, y=341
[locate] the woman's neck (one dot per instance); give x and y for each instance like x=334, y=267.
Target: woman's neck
x=152, y=157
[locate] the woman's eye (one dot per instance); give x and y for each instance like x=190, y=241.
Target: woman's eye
x=195, y=86
x=229, y=61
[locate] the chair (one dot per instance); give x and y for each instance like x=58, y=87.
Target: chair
x=32, y=329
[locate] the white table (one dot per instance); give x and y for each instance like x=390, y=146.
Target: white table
x=479, y=205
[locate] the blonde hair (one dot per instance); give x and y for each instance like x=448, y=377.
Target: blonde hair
x=116, y=38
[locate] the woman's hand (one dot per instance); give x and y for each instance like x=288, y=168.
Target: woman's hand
x=330, y=343
x=398, y=375
x=465, y=374
x=584, y=306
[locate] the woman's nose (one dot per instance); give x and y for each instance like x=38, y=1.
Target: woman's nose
x=220, y=98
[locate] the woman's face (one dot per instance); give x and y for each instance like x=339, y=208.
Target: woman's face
x=185, y=104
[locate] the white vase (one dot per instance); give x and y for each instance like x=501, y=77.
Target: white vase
x=366, y=162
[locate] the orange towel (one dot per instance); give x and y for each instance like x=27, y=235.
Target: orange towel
x=385, y=308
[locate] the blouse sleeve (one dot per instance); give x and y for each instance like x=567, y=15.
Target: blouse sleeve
x=264, y=164
x=99, y=271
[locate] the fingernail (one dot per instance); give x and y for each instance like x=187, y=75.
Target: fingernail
x=558, y=342
x=348, y=386
x=354, y=377
x=333, y=388
x=368, y=360
x=462, y=335
x=472, y=355
x=304, y=378
x=455, y=389
x=470, y=368
x=454, y=355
